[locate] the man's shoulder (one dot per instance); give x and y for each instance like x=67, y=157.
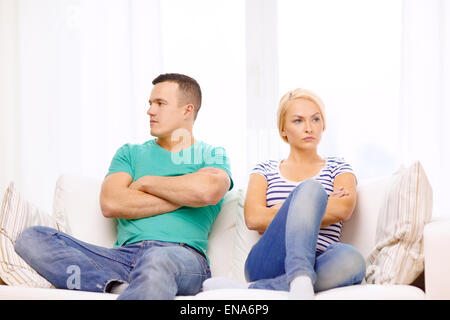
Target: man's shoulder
x=209, y=149
x=206, y=146
x=132, y=146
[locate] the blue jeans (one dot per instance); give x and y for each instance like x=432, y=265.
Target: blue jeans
x=153, y=269
x=287, y=249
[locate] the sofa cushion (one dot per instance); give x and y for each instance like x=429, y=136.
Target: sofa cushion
x=360, y=229
x=220, y=246
x=20, y=293
x=398, y=256
x=243, y=240
x=356, y=292
x=77, y=199
x=16, y=215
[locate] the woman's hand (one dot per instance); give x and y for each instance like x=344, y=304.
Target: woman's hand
x=339, y=193
x=277, y=206
x=341, y=201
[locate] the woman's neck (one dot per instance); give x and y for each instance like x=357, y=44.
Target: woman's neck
x=303, y=157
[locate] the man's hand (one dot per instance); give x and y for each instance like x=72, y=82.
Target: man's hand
x=138, y=184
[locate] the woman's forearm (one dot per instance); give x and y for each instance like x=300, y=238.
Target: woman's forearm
x=259, y=218
x=337, y=210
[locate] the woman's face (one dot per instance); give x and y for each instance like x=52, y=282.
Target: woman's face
x=303, y=125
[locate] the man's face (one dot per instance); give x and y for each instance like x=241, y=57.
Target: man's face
x=166, y=114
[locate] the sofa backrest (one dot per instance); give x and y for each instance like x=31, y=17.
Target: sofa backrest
x=77, y=199
x=360, y=229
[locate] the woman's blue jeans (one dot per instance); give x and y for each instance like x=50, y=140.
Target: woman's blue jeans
x=153, y=269
x=287, y=249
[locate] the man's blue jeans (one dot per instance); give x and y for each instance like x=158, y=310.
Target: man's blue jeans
x=287, y=249
x=153, y=269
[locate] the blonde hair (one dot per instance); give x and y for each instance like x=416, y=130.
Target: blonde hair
x=294, y=95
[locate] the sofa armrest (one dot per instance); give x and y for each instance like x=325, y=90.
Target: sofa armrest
x=437, y=259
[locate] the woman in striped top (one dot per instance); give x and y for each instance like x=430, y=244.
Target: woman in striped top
x=298, y=205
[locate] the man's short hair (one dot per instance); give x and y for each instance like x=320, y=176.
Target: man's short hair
x=188, y=87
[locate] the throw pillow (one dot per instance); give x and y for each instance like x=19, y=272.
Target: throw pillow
x=76, y=201
x=16, y=215
x=398, y=256
x=244, y=239
x=220, y=247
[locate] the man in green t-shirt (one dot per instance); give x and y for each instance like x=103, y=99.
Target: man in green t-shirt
x=165, y=195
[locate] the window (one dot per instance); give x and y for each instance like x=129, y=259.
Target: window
x=206, y=40
x=348, y=52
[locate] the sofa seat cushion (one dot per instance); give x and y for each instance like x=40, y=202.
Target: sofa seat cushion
x=356, y=292
x=25, y=293
x=373, y=292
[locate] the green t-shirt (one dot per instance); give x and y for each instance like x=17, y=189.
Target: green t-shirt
x=185, y=225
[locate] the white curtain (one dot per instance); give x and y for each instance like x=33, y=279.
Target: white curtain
x=349, y=53
x=206, y=40
x=75, y=76
x=9, y=94
x=382, y=67
x=425, y=93
x=75, y=79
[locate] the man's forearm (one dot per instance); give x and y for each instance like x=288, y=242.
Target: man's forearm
x=194, y=190
x=133, y=204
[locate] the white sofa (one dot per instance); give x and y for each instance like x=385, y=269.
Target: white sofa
x=78, y=199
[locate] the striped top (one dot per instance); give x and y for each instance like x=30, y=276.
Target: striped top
x=278, y=189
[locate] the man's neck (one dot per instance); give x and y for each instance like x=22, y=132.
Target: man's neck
x=172, y=145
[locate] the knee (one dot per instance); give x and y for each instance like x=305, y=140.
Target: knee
x=154, y=270
x=311, y=187
x=25, y=243
x=355, y=264
x=341, y=265
x=310, y=194
x=160, y=261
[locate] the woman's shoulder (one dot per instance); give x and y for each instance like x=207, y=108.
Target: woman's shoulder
x=335, y=160
x=337, y=164
x=266, y=167
x=268, y=164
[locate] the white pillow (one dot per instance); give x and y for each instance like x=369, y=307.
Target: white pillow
x=360, y=229
x=398, y=256
x=16, y=215
x=219, y=241
x=243, y=241
x=77, y=200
